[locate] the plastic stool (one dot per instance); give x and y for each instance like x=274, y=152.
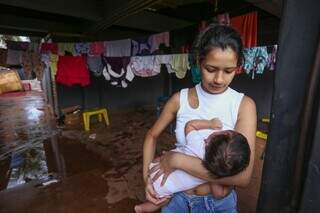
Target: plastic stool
x=100, y=112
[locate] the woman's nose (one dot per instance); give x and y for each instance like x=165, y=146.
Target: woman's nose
x=218, y=78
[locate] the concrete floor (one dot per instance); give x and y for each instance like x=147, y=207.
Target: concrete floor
x=97, y=171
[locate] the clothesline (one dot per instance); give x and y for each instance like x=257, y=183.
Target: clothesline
x=120, y=71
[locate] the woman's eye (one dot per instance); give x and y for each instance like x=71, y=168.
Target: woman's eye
x=211, y=70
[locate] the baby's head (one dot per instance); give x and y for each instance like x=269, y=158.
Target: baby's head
x=227, y=153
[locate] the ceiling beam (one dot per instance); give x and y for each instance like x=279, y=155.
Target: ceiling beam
x=118, y=10
x=36, y=25
x=153, y=22
x=85, y=9
x=273, y=7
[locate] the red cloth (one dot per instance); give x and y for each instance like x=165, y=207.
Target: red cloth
x=49, y=48
x=73, y=70
x=246, y=25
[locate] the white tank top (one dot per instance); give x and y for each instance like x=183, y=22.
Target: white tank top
x=224, y=106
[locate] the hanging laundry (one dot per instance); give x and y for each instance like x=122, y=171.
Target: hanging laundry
x=34, y=47
x=14, y=57
x=53, y=62
x=247, y=26
x=17, y=45
x=140, y=46
x=165, y=60
x=157, y=40
x=117, y=71
x=118, y=48
x=95, y=65
x=96, y=48
x=31, y=62
x=66, y=48
x=272, y=56
x=180, y=65
x=82, y=48
x=256, y=60
x=144, y=66
x=3, y=57
x=196, y=74
x=49, y=48
x=73, y=70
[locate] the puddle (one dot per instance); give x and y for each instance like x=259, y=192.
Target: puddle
x=27, y=138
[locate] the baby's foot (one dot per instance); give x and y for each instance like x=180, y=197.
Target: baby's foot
x=138, y=209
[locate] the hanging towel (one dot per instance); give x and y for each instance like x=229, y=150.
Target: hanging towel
x=82, y=48
x=180, y=65
x=96, y=48
x=158, y=39
x=53, y=64
x=166, y=60
x=64, y=48
x=73, y=70
x=118, y=48
x=140, y=46
x=256, y=60
x=247, y=26
x=144, y=66
x=49, y=48
x=95, y=65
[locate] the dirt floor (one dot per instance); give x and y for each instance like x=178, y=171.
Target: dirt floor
x=95, y=171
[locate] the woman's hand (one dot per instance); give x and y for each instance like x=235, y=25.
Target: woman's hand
x=152, y=196
x=164, y=165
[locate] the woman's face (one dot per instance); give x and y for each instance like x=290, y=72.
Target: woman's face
x=218, y=69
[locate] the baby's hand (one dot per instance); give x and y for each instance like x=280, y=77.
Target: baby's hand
x=216, y=123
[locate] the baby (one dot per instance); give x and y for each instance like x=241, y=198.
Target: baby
x=223, y=153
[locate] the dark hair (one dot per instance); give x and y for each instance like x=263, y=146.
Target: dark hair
x=227, y=154
x=218, y=36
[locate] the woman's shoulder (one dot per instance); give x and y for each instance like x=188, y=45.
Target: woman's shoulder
x=247, y=104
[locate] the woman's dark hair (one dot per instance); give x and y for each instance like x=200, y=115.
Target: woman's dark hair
x=218, y=36
x=227, y=154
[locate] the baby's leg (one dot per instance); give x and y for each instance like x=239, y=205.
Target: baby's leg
x=148, y=207
x=219, y=191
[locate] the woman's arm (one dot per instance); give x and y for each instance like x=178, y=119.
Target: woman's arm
x=246, y=125
x=167, y=115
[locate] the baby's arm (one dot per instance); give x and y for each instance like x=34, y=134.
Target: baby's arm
x=198, y=124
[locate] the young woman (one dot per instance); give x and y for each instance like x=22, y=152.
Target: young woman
x=219, y=51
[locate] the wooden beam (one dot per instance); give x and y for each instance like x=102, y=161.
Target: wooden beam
x=85, y=9
x=153, y=21
x=119, y=12
x=36, y=25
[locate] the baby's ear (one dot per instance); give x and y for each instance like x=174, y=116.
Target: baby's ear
x=206, y=141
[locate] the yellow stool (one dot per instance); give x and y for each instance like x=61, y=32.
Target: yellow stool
x=262, y=135
x=100, y=112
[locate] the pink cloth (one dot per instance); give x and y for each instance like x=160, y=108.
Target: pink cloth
x=157, y=39
x=96, y=48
